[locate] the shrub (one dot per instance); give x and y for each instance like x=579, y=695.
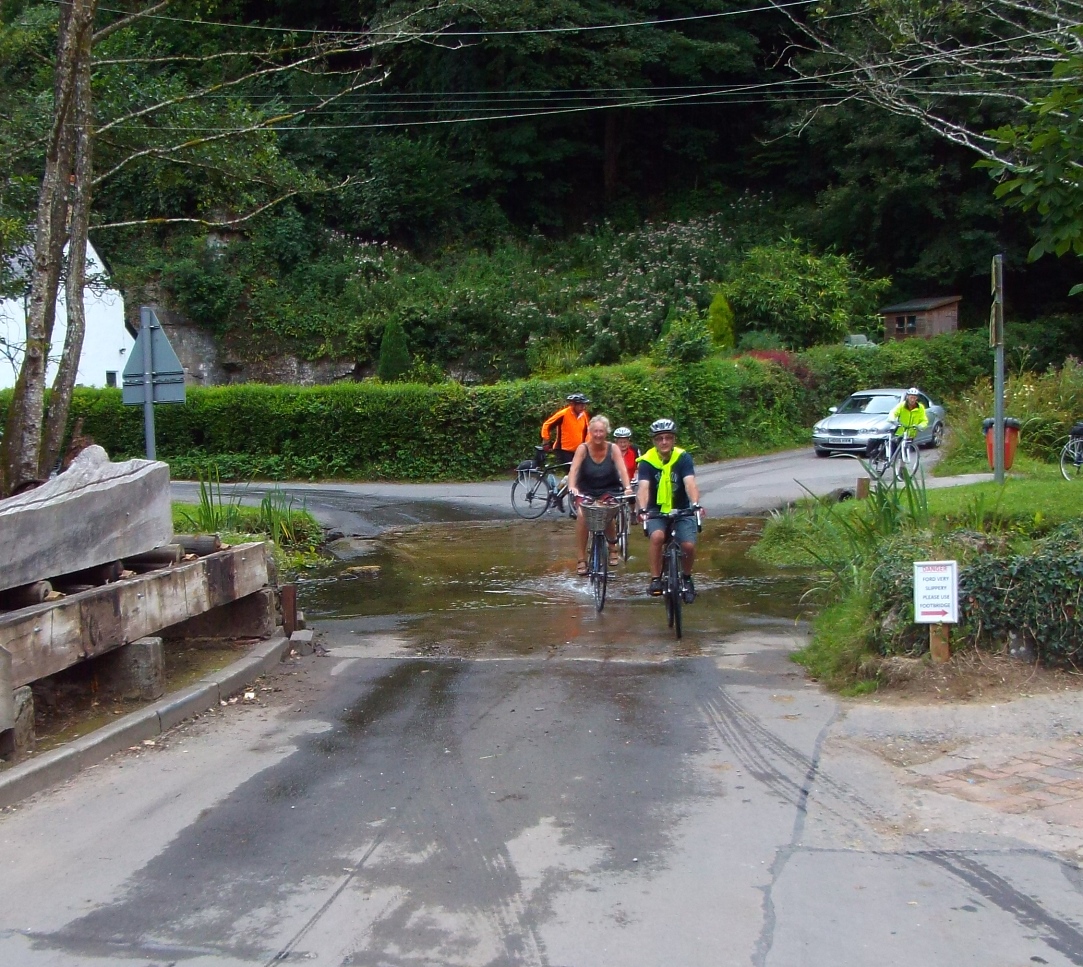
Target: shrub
x=686, y=340
x=721, y=322
x=806, y=299
x=394, y=362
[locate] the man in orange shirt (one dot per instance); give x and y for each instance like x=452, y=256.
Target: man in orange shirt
x=571, y=428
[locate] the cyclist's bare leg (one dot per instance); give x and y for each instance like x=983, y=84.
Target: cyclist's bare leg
x=688, y=557
x=654, y=552
x=581, y=535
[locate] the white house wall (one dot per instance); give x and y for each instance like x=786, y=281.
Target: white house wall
x=105, y=346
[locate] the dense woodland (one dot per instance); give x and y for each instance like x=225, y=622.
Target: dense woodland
x=569, y=176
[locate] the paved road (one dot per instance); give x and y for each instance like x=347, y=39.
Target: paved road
x=733, y=487
x=578, y=792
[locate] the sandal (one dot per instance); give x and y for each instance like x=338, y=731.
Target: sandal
x=581, y=568
x=614, y=557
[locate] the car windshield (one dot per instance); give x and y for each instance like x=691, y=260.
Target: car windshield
x=859, y=403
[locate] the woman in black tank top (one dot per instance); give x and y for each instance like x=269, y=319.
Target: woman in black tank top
x=597, y=470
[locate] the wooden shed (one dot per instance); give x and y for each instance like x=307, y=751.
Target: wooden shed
x=921, y=317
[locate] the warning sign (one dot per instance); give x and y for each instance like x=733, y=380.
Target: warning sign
x=936, y=592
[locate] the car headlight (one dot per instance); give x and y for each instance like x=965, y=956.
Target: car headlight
x=817, y=427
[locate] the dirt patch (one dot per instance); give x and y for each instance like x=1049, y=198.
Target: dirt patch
x=970, y=676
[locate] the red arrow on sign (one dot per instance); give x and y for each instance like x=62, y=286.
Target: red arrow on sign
x=941, y=613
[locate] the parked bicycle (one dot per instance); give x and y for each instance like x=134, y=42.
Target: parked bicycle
x=539, y=485
x=673, y=589
x=1071, y=457
x=895, y=454
x=597, y=514
x=625, y=516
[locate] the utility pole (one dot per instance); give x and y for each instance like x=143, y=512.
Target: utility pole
x=996, y=340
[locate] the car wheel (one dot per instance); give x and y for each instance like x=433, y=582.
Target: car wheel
x=938, y=436
x=821, y=453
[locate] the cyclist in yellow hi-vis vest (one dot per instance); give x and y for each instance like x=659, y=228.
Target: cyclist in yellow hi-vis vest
x=667, y=481
x=910, y=415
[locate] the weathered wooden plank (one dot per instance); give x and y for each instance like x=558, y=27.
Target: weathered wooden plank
x=49, y=637
x=93, y=513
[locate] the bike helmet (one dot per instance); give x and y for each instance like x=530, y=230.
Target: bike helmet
x=663, y=426
x=577, y=398
x=621, y=433
x=913, y=391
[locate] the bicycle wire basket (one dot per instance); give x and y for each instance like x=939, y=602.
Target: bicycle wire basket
x=598, y=516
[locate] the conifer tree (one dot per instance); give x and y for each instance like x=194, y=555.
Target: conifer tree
x=394, y=362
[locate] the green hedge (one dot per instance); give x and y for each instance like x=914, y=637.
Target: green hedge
x=447, y=431
x=724, y=407
x=943, y=367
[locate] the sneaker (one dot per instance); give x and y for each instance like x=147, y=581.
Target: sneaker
x=560, y=504
x=654, y=589
x=688, y=589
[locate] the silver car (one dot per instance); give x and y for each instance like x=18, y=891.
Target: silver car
x=863, y=416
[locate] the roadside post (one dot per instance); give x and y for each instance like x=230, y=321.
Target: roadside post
x=996, y=341
x=153, y=373
x=936, y=603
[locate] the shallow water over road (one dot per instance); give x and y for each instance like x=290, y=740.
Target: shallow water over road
x=510, y=589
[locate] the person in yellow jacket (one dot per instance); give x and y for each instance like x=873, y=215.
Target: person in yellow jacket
x=910, y=415
x=570, y=424
x=667, y=481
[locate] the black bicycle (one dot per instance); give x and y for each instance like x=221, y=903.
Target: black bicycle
x=597, y=514
x=673, y=588
x=536, y=486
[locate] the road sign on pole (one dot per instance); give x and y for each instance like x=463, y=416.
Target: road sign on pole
x=153, y=373
x=936, y=592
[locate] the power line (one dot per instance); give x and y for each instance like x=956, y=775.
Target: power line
x=406, y=34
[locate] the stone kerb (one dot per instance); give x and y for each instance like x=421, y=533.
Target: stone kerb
x=93, y=513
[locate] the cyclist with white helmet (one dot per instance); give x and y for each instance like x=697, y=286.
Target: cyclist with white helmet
x=910, y=415
x=622, y=436
x=570, y=423
x=667, y=481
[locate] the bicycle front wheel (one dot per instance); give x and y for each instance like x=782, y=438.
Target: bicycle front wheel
x=673, y=575
x=909, y=456
x=599, y=568
x=1071, y=460
x=530, y=494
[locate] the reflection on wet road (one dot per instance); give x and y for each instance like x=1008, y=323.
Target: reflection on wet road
x=486, y=590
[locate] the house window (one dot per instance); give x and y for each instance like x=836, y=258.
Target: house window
x=911, y=325
x=900, y=324
x=111, y=378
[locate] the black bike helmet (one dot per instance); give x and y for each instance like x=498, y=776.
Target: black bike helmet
x=663, y=426
x=577, y=398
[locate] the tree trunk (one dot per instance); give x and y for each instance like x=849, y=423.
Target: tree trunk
x=56, y=420
x=616, y=132
x=21, y=446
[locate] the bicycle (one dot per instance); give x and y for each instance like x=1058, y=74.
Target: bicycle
x=672, y=583
x=1071, y=457
x=624, y=524
x=597, y=514
x=535, y=489
x=895, y=453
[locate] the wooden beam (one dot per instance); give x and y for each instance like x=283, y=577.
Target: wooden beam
x=50, y=637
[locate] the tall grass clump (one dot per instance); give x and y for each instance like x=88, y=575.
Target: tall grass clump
x=1047, y=404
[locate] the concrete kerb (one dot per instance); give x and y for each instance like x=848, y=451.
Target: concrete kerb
x=34, y=775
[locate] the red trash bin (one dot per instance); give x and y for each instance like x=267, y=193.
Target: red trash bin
x=1011, y=440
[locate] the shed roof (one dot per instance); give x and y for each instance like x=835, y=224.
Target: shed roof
x=921, y=305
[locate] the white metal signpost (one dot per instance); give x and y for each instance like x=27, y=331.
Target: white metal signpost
x=936, y=602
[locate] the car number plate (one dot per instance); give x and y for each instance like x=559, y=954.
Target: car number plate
x=843, y=439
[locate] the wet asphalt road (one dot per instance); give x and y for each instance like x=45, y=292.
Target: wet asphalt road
x=488, y=774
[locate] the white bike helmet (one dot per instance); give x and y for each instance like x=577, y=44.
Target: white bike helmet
x=663, y=426
x=913, y=391
x=622, y=433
